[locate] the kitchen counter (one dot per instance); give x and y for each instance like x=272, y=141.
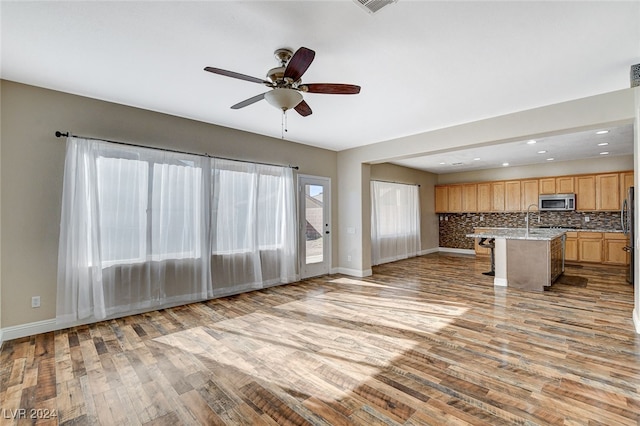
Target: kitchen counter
x=539, y=234
x=528, y=260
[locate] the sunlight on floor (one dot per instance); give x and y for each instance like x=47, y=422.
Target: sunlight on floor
x=330, y=333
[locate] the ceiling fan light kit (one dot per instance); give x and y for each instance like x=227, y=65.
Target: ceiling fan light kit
x=283, y=98
x=285, y=82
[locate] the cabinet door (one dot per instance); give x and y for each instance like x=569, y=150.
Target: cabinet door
x=442, y=199
x=614, y=244
x=480, y=251
x=590, y=247
x=529, y=193
x=547, y=186
x=626, y=181
x=571, y=249
x=469, y=197
x=484, y=197
x=608, y=191
x=565, y=185
x=455, y=198
x=585, y=192
x=512, y=196
x=497, y=196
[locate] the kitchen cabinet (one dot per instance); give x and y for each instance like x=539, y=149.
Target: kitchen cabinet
x=512, y=195
x=585, y=192
x=626, y=181
x=571, y=247
x=547, y=186
x=607, y=191
x=480, y=251
x=590, y=247
x=442, y=199
x=530, y=193
x=484, y=197
x=557, y=185
x=470, y=197
x=497, y=196
x=455, y=198
x=565, y=185
x=614, y=242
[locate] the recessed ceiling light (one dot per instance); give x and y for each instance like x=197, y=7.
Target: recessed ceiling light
x=442, y=163
x=550, y=159
x=604, y=153
x=476, y=159
x=531, y=142
x=505, y=164
x=602, y=132
x=456, y=164
x=603, y=144
x=542, y=152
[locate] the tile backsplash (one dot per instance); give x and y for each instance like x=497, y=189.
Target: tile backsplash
x=454, y=226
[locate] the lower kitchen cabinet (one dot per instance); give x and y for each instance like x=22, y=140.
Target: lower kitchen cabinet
x=571, y=247
x=614, y=254
x=590, y=247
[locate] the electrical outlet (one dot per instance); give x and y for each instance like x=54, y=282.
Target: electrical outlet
x=481, y=218
x=35, y=302
x=586, y=218
x=349, y=258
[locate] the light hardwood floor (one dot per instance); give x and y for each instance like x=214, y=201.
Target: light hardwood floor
x=428, y=340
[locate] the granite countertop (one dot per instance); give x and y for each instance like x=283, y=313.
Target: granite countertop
x=539, y=234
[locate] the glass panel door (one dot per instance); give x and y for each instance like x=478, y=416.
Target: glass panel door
x=315, y=232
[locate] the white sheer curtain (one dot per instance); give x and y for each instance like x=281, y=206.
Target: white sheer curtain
x=253, y=209
x=395, y=221
x=144, y=228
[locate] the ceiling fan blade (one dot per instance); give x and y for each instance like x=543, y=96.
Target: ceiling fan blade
x=249, y=101
x=236, y=75
x=303, y=109
x=299, y=63
x=331, y=88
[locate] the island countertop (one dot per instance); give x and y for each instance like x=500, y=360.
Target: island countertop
x=539, y=234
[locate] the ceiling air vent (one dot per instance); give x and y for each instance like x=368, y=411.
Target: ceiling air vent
x=373, y=6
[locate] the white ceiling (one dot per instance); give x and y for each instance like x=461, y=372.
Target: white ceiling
x=422, y=65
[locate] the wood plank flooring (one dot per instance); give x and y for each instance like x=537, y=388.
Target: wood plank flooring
x=425, y=341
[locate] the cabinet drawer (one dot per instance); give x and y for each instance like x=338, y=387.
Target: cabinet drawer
x=594, y=235
x=614, y=236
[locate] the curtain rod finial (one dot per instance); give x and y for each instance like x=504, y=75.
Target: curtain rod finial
x=59, y=134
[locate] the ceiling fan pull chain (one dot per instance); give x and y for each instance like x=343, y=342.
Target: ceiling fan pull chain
x=283, y=122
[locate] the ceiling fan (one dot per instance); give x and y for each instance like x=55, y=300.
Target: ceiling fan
x=286, y=84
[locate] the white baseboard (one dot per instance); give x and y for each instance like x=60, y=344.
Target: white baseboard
x=456, y=250
x=500, y=282
x=355, y=272
x=636, y=319
x=429, y=251
x=24, y=330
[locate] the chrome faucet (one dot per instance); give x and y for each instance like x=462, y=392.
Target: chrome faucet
x=527, y=218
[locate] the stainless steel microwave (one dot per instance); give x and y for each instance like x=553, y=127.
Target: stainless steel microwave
x=556, y=202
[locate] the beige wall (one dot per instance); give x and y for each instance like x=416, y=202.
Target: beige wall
x=428, y=218
x=560, y=168
x=32, y=160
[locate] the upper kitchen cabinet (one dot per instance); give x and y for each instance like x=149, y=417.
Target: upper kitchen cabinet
x=512, y=194
x=608, y=191
x=626, y=182
x=547, y=185
x=484, y=197
x=565, y=185
x=557, y=185
x=497, y=196
x=455, y=198
x=470, y=197
x=530, y=191
x=442, y=198
x=585, y=192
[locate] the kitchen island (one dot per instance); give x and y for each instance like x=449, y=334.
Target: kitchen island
x=526, y=259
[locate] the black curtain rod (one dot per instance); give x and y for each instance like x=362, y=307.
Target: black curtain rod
x=399, y=183
x=60, y=134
